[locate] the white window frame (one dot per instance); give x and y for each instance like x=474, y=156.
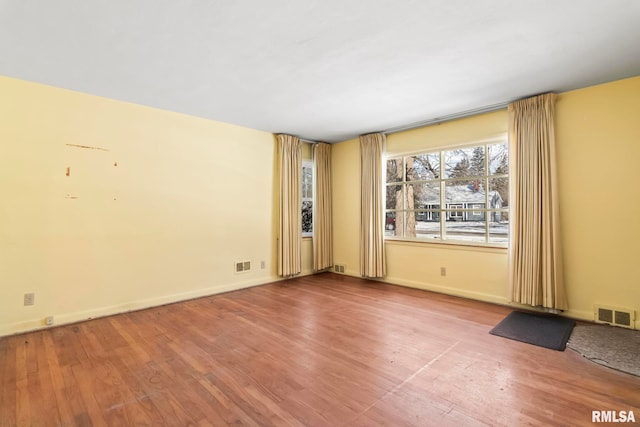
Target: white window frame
x=477, y=210
x=456, y=210
x=446, y=212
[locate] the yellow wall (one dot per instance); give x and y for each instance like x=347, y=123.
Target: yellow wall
x=479, y=273
x=472, y=272
x=187, y=199
x=345, y=175
x=169, y=220
x=598, y=136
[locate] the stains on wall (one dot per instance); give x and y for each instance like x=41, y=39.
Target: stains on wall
x=90, y=170
x=87, y=147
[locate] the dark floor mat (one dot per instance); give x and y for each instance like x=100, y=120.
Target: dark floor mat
x=544, y=330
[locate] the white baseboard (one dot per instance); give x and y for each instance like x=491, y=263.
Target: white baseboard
x=474, y=295
x=93, y=313
x=579, y=315
x=464, y=293
x=66, y=318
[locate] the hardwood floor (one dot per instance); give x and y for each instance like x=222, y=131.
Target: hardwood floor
x=323, y=350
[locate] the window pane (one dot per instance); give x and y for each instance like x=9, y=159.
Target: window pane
x=307, y=217
x=468, y=194
x=307, y=182
x=464, y=162
x=409, y=224
x=499, y=227
x=498, y=159
x=427, y=224
x=423, y=195
x=468, y=230
x=498, y=193
x=395, y=170
x=423, y=167
x=394, y=197
x=390, y=225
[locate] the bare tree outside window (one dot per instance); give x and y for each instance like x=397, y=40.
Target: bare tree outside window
x=460, y=194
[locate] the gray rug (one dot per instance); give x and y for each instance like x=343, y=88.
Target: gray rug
x=610, y=346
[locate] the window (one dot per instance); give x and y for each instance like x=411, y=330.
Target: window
x=307, y=198
x=457, y=195
x=456, y=215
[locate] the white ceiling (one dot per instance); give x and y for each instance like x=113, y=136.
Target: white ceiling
x=320, y=69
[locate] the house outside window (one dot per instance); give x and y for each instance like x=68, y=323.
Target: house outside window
x=307, y=198
x=457, y=195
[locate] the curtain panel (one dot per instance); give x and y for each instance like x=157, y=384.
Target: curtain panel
x=536, y=274
x=290, y=224
x=322, y=216
x=372, y=258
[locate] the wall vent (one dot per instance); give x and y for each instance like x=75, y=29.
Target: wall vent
x=242, y=266
x=338, y=268
x=615, y=316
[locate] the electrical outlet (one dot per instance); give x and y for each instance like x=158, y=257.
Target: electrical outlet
x=49, y=321
x=443, y=271
x=29, y=298
x=263, y=264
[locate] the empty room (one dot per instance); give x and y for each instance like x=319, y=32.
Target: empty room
x=336, y=213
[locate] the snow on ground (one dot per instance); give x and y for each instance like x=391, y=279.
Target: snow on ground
x=472, y=231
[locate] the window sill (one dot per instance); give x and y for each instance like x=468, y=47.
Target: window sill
x=460, y=246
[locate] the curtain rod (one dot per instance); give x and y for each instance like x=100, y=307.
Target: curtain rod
x=301, y=139
x=438, y=120
x=435, y=121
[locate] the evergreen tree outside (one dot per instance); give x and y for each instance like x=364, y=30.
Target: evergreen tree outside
x=476, y=168
x=461, y=169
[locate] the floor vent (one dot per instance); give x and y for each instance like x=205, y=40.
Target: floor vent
x=614, y=316
x=338, y=268
x=243, y=266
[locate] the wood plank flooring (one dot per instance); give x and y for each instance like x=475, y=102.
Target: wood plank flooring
x=324, y=350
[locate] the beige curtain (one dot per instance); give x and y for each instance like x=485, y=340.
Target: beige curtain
x=322, y=215
x=372, y=262
x=290, y=230
x=536, y=275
